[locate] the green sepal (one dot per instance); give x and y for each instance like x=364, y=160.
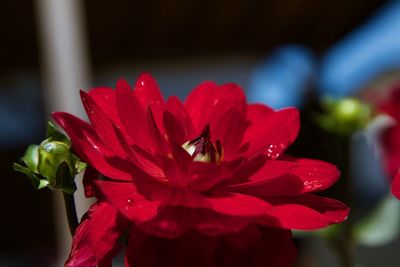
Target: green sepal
x=56, y=135
x=51, y=154
x=79, y=165
x=31, y=158
x=64, y=179
x=36, y=181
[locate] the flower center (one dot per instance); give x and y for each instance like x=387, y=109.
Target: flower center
x=202, y=149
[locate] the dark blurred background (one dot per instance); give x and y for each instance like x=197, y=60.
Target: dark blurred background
x=180, y=42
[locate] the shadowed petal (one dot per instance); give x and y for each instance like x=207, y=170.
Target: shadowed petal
x=259, y=247
x=132, y=115
x=89, y=177
x=308, y=212
x=88, y=146
x=175, y=106
x=174, y=129
x=230, y=128
x=101, y=124
x=396, y=186
x=285, y=185
x=95, y=241
x=258, y=170
x=159, y=139
x=171, y=222
x=205, y=175
x=249, y=246
x=127, y=199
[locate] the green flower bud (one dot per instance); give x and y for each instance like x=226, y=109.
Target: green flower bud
x=344, y=116
x=51, y=164
x=50, y=155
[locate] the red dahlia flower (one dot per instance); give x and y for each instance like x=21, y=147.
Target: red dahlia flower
x=199, y=174
x=390, y=139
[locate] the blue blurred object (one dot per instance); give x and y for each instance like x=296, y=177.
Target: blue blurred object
x=21, y=116
x=282, y=79
x=366, y=53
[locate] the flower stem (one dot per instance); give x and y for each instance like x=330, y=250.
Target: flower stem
x=69, y=203
x=344, y=242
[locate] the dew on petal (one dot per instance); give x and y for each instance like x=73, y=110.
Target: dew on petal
x=313, y=181
x=273, y=151
x=129, y=203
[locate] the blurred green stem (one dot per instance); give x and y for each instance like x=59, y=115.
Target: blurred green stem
x=344, y=242
x=69, y=203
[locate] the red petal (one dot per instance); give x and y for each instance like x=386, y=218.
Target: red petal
x=272, y=169
x=259, y=170
x=89, y=177
x=127, y=199
x=256, y=114
x=179, y=196
x=316, y=175
x=88, y=146
x=249, y=246
x=171, y=222
x=308, y=212
x=197, y=100
x=274, y=134
x=148, y=163
x=159, y=139
x=174, y=129
x=208, y=103
x=390, y=141
x=176, y=174
x=132, y=115
x=240, y=205
x=229, y=128
x=106, y=99
x=191, y=249
x=231, y=204
x=243, y=168
x=148, y=93
x=147, y=90
x=205, y=175
x=96, y=239
x=101, y=124
x=175, y=106
x=396, y=186
x=259, y=247
x=285, y=185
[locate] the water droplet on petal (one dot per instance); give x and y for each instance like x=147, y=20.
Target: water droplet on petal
x=129, y=202
x=273, y=151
